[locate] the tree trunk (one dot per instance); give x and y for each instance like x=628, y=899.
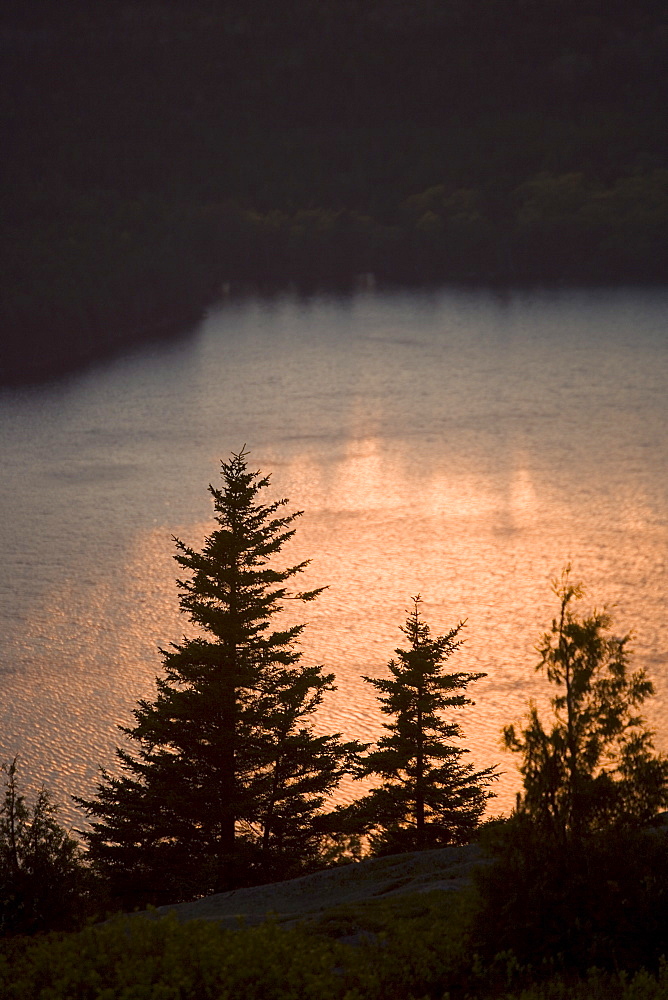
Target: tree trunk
x=572, y=818
x=227, y=787
x=419, y=779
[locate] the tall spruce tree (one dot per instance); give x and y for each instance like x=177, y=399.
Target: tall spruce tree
x=226, y=781
x=428, y=797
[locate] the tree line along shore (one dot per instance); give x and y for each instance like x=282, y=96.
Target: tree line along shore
x=155, y=154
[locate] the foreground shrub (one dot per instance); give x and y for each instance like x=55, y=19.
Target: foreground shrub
x=44, y=884
x=417, y=944
x=597, y=985
x=137, y=958
x=604, y=905
x=404, y=947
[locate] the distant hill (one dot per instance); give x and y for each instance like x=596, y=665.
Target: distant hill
x=154, y=150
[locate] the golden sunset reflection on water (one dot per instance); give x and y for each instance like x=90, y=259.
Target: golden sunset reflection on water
x=426, y=461
x=383, y=534
x=375, y=539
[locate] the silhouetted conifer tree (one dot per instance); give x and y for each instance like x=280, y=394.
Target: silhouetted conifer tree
x=580, y=868
x=593, y=765
x=429, y=797
x=227, y=781
x=43, y=880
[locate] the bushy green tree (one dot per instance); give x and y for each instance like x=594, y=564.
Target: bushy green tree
x=592, y=765
x=43, y=881
x=428, y=797
x=579, y=877
x=225, y=782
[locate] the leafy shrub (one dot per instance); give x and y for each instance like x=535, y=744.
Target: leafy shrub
x=411, y=947
x=137, y=958
x=401, y=947
x=597, y=985
x=43, y=882
x=604, y=905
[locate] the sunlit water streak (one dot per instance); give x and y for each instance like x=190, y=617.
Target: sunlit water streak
x=461, y=445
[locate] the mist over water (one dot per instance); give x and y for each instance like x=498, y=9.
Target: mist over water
x=459, y=444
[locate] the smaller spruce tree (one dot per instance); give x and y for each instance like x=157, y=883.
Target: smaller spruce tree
x=429, y=797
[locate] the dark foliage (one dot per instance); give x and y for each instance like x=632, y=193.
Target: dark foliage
x=592, y=768
x=555, y=909
x=428, y=797
x=43, y=882
x=580, y=871
x=156, y=150
x=225, y=781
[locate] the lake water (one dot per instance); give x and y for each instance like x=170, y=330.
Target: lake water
x=459, y=444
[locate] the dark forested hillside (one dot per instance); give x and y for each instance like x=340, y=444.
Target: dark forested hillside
x=155, y=150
